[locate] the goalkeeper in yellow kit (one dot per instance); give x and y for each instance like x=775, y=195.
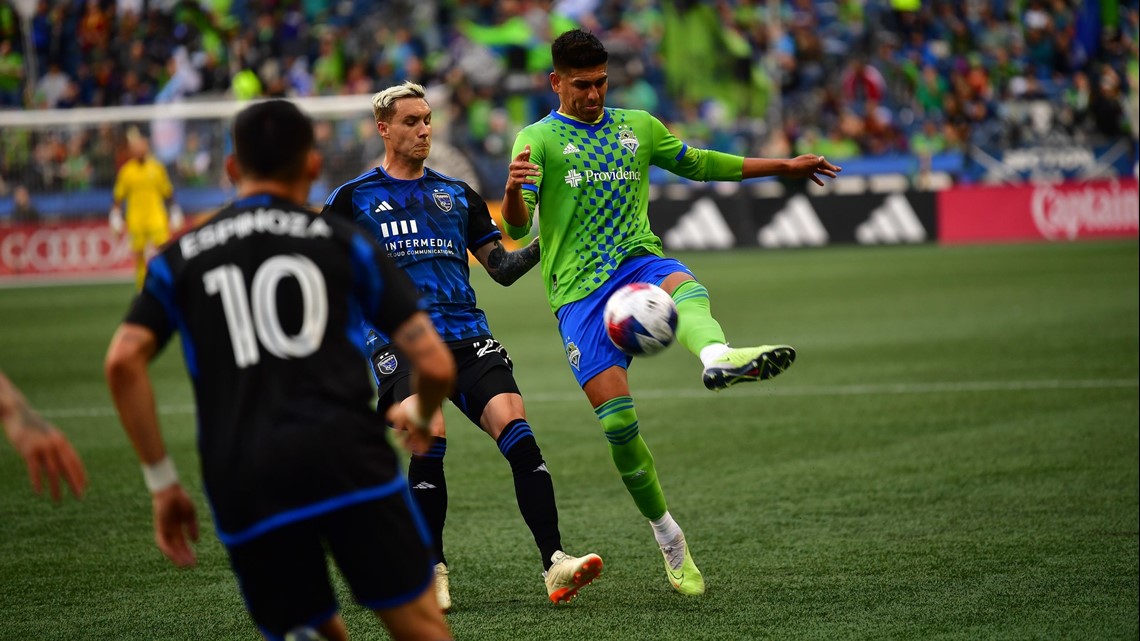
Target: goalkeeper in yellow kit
x=144, y=186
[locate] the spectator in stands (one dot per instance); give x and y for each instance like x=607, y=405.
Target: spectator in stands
x=328, y=68
x=194, y=162
x=928, y=141
x=76, y=170
x=51, y=87
x=930, y=92
x=1107, y=108
x=1075, y=102
x=11, y=75
x=862, y=82
x=94, y=27
x=9, y=21
x=24, y=211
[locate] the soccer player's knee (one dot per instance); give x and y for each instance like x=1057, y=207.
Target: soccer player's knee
x=519, y=447
x=691, y=292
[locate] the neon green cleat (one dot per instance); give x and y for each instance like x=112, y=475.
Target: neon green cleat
x=748, y=364
x=569, y=574
x=682, y=572
x=442, y=588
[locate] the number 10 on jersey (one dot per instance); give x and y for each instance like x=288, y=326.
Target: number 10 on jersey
x=254, y=318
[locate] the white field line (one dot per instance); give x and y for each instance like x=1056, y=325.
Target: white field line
x=887, y=389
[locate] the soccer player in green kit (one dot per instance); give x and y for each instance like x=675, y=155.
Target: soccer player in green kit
x=585, y=167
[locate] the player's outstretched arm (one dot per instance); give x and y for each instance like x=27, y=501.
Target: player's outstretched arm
x=126, y=369
x=505, y=267
x=46, y=451
x=805, y=166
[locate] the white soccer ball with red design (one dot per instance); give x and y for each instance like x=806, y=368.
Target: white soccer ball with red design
x=641, y=319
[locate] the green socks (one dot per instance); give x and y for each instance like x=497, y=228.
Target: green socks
x=631, y=456
x=696, y=328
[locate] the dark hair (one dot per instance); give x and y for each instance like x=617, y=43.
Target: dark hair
x=272, y=140
x=577, y=49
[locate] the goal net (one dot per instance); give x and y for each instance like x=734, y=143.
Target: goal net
x=65, y=161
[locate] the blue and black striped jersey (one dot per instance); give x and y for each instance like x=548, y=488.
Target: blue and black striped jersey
x=270, y=300
x=427, y=226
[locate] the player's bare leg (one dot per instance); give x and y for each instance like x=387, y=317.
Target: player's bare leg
x=419, y=620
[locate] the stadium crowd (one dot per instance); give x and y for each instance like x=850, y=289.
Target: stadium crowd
x=842, y=78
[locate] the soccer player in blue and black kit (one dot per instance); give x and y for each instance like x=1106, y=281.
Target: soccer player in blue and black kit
x=268, y=298
x=428, y=222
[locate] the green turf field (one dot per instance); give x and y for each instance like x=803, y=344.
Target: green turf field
x=953, y=456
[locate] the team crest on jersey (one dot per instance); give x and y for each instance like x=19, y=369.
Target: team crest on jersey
x=386, y=363
x=627, y=138
x=442, y=200
x=573, y=354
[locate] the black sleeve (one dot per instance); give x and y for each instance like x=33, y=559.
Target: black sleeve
x=148, y=311
x=339, y=204
x=481, y=228
x=399, y=298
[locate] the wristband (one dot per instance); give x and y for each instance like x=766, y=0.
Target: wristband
x=413, y=414
x=160, y=476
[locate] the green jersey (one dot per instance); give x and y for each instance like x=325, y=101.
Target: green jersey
x=593, y=195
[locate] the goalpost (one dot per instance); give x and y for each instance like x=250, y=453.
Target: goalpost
x=66, y=159
x=63, y=163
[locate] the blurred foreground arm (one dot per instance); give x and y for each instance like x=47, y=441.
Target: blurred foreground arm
x=126, y=368
x=45, y=449
x=433, y=375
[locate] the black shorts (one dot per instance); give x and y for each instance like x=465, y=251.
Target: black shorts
x=484, y=371
x=380, y=547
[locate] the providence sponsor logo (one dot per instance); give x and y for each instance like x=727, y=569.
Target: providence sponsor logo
x=574, y=178
x=612, y=175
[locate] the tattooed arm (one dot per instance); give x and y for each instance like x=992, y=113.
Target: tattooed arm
x=45, y=449
x=506, y=267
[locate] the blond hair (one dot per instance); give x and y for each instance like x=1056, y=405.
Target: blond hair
x=384, y=102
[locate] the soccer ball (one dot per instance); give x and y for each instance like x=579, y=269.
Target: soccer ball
x=641, y=319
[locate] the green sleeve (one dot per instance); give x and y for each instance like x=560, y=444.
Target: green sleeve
x=530, y=196
x=695, y=164
x=531, y=200
x=705, y=165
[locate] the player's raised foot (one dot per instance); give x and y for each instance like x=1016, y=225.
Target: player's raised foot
x=679, y=567
x=442, y=588
x=568, y=574
x=745, y=364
